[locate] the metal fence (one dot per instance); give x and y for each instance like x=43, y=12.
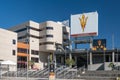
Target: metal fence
x=65, y=73
x=61, y=72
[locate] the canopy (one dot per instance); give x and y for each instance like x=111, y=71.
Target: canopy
x=8, y=62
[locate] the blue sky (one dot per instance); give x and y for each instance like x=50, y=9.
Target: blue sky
x=13, y=12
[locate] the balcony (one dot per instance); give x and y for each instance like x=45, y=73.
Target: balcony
x=47, y=47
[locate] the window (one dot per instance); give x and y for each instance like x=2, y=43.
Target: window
x=22, y=37
x=34, y=36
x=50, y=28
x=45, y=43
x=20, y=30
x=34, y=59
x=14, y=41
x=41, y=37
x=49, y=35
x=34, y=28
x=1, y=60
x=14, y=52
x=19, y=58
x=21, y=50
x=41, y=29
x=34, y=52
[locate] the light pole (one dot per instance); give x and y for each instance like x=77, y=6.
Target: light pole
x=27, y=42
x=0, y=71
x=117, y=58
x=117, y=64
x=87, y=59
x=52, y=65
x=104, y=59
x=65, y=57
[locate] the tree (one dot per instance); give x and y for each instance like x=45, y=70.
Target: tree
x=111, y=65
x=31, y=63
x=70, y=62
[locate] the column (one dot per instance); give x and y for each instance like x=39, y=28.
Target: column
x=54, y=59
x=104, y=60
x=90, y=68
x=0, y=71
x=62, y=59
x=70, y=54
x=91, y=58
x=75, y=60
x=75, y=43
x=87, y=59
x=113, y=56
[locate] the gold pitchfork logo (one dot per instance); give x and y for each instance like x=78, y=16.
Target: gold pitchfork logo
x=83, y=21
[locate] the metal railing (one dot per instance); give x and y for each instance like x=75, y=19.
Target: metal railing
x=63, y=73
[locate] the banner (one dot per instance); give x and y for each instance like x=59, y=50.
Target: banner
x=99, y=44
x=85, y=24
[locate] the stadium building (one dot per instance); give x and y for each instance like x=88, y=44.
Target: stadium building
x=84, y=27
x=42, y=39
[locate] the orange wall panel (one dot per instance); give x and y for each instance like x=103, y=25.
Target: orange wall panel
x=22, y=45
x=22, y=54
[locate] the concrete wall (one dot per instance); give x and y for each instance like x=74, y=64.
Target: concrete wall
x=95, y=67
x=101, y=66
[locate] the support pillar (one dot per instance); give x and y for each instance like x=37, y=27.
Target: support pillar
x=75, y=60
x=62, y=59
x=90, y=67
x=75, y=44
x=113, y=56
x=87, y=60
x=0, y=71
x=54, y=59
x=91, y=58
x=52, y=66
x=70, y=54
x=104, y=60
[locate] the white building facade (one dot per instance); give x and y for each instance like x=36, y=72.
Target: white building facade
x=42, y=38
x=8, y=46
